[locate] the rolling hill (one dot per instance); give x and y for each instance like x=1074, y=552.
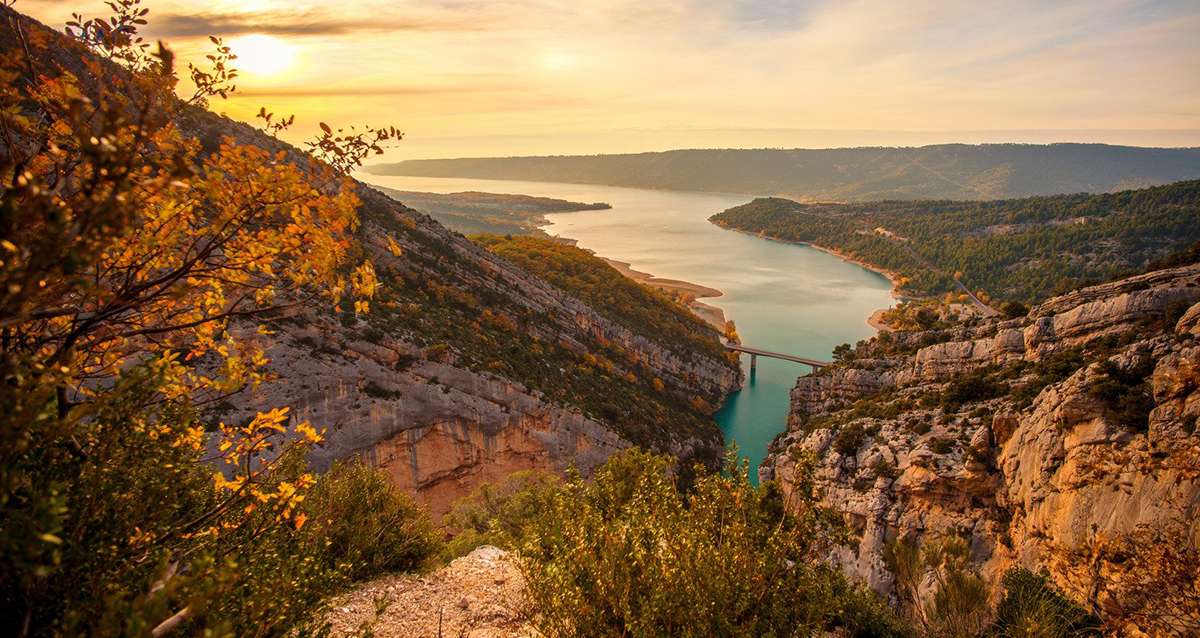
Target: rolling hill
x=948, y=171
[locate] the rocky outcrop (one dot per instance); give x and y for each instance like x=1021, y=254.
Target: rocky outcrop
x=480, y=595
x=1029, y=438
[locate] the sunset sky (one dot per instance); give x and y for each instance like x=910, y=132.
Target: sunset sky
x=513, y=77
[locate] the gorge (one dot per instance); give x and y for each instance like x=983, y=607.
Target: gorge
x=782, y=297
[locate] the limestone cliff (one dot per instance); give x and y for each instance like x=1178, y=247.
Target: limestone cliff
x=469, y=368
x=1031, y=438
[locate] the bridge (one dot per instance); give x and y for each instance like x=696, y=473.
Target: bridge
x=755, y=353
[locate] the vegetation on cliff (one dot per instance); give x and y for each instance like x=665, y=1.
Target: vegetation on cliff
x=1020, y=250
x=460, y=320
x=1002, y=440
x=640, y=308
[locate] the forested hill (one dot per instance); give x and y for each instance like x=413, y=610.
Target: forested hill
x=948, y=171
x=1018, y=249
x=473, y=212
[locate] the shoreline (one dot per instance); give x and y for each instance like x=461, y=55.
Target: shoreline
x=711, y=315
x=876, y=318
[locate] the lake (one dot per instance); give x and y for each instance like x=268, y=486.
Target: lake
x=783, y=297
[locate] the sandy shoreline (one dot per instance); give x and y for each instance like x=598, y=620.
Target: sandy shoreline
x=711, y=314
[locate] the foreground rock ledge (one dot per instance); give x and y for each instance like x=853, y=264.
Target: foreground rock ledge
x=479, y=596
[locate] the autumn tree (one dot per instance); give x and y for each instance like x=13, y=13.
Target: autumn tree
x=134, y=268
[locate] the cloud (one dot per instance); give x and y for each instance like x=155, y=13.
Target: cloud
x=293, y=24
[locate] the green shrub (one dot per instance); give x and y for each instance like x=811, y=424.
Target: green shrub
x=1033, y=608
x=500, y=515
x=629, y=555
x=849, y=439
x=1126, y=393
x=1014, y=309
x=365, y=525
x=969, y=388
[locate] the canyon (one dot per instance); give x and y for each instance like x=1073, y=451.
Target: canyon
x=1033, y=439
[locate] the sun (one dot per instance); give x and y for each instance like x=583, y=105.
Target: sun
x=262, y=54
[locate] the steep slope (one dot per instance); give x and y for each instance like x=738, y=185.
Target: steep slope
x=1041, y=440
x=469, y=367
x=948, y=171
x=1018, y=249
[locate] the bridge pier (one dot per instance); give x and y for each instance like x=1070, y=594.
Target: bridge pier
x=753, y=362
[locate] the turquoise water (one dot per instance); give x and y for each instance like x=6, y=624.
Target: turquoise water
x=783, y=297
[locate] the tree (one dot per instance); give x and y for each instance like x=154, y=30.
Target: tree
x=133, y=264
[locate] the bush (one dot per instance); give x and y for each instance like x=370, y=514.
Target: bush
x=849, y=439
x=1126, y=393
x=112, y=523
x=110, y=499
x=500, y=515
x=1014, y=309
x=971, y=387
x=1033, y=608
x=366, y=525
x=629, y=555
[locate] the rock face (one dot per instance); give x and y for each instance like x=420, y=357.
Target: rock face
x=1026, y=437
x=431, y=415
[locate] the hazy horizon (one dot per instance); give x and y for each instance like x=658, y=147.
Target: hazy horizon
x=641, y=141
x=530, y=77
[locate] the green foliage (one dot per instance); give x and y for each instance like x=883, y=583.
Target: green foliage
x=500, y=515
x=627, y=554
x=958, y=605
x=110, y=526
x=850, y=438
x=639, y=308
x=976, y=385
x=1048, y=370
x=366, y=525
x=102, y=503
x=1033, y=608
x=1014, y=309
x=1126, y=392
x=1023, y=249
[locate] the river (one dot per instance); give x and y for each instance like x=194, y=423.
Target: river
x=783, y=297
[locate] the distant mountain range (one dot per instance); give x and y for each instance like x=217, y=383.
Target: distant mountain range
x=946, y=171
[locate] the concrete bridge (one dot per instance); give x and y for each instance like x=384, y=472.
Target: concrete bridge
x=755, y=353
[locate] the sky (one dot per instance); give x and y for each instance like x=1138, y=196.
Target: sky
x=521, y=77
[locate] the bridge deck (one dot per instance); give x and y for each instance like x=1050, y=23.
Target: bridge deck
x=816, y=363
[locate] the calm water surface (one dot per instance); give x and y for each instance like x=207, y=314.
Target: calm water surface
x=783, y=297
